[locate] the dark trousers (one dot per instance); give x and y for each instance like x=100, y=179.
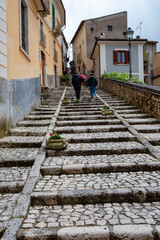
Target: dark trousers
x=77, y=90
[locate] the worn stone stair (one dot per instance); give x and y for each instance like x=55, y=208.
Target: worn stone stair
x=105, y=185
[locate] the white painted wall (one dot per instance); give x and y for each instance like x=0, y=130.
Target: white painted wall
x=140, y=62
x=103, y=58
x=3, y=39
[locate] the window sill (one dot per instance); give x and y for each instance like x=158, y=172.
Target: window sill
x=121, y=64
x=25, y=53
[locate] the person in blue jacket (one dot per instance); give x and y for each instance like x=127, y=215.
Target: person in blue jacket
x=92, y=83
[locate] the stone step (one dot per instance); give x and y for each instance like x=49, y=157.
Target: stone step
x=107, y=148
x=153, y=138
x=100, y=168
x=86, y=117
x=92, y=221
x=67, y=162
x=91, y=129
x=28, y=131
x=128, y=107
x=20, y=141
x=17, y=156
x=63, y=110
x=99, y=137
x=42, y=108
x=98, y=188
x=98, y=112
x=88, y=122
x=11, y=187
x=82, y=106
x=31, y=123
x=139, y=121
x=143, y=128
x=129, y=111
x=132, y=116
x=42, y=112
x=38, y=117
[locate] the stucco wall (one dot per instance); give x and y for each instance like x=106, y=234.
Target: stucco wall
x=145, y=97
x=110, y=67
x=17, y=98
x=3, y=40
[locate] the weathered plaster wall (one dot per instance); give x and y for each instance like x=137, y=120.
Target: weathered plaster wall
x=145, y=97
x=17, y=98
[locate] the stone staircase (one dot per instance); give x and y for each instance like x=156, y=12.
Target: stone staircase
x=106, y=184
x=18, y=152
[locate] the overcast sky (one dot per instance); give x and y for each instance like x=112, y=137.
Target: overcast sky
x=146, y=11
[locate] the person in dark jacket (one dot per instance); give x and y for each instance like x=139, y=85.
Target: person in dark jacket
x=76, y=81
x=92, y=83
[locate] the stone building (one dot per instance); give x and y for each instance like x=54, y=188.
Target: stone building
x=30, y=55
x=156, y=71
x=111, y=26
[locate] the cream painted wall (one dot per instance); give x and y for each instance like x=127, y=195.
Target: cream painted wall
x=3, y=40
x=20, y=65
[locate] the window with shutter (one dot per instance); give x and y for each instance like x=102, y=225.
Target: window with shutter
x=53, y=16
x=120, y=57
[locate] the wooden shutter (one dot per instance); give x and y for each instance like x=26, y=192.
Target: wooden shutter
x=53, y=16
x=127, y=57
x=115, y=58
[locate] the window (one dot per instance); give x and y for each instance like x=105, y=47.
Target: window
x=121, y=57
x=92, y=29
x=24, y=26
x=109, y=28
x=53, y=17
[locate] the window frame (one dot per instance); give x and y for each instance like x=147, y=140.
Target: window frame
x=109, y=28
x=25, y=50
x=117, y=53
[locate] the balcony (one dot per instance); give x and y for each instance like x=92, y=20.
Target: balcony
x=43, y=39
x=57, y=28
x=55, y=55
x=79, y=57
x=43, y=6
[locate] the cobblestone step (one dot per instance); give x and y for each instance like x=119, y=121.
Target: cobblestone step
x=88, y=122
x=11, y=187
x=138, y=115
x=80, y=113
x=98, y=188
x=129, y=111
x=32, y=123
x=37, y=117
x=82, y=106
x=10, y=157
x=42, y=113
x=139, y=121
x=86, y=117
x=155, y=128
x=87, y=149
x=92, y=221
x=99, y=137
x=91, y=129
x=28, y=131
x=72, y=110
x=20, y=141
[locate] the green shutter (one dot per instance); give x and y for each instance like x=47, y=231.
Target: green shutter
x=53, y=16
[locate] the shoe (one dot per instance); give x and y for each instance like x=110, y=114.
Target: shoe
x=94, y=97
x=78, y=101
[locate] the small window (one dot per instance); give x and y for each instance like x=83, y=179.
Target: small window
x=109, y=28
x=53, y=17
x=24, y=29
x=121, y=57
x=92, y=29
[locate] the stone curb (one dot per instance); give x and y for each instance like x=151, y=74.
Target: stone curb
x=100, y=168
x=11, y=187
x=118, y=195
x=112, y=232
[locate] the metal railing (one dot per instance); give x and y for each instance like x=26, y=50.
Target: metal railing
x=42, y=38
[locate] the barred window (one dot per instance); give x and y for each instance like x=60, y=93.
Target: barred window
x=24, y=26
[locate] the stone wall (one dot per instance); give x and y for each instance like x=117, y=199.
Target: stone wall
x=17, y=98
x=143, y=96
